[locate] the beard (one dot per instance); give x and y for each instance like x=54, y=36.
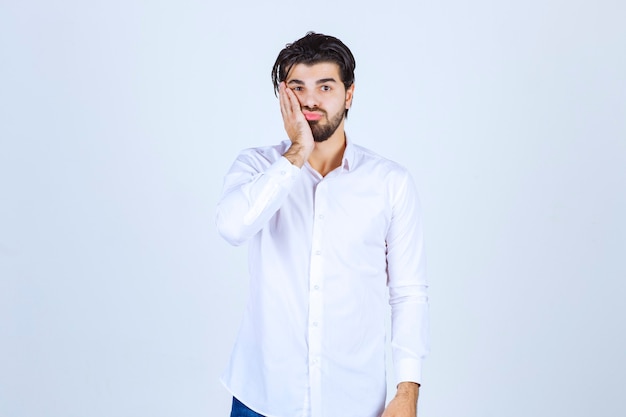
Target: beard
x=322, y=131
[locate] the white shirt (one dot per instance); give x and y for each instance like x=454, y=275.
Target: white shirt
x=322, y=253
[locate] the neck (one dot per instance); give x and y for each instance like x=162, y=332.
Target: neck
x=328, y=155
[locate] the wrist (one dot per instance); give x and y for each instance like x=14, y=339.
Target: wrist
x=408, y=389
x=297, y=154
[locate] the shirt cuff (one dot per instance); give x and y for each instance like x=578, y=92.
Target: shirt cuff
x=408, y=370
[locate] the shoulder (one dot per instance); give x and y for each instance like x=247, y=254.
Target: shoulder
x=367, y=160
x=384, y=174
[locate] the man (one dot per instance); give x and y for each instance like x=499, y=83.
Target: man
x=334, y=234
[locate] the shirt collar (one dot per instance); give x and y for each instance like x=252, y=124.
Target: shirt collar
x=348, y=160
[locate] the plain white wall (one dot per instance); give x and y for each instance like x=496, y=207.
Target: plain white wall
x=118, y=120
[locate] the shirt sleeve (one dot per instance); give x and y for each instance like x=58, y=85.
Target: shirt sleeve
x=254, y=190
x=406, y=273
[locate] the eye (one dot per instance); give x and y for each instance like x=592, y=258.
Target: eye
x=325, y=88
x=297, y=88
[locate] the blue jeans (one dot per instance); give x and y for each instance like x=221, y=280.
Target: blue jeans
x=240, y=410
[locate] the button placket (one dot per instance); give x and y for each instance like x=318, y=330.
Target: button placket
x=316, y=299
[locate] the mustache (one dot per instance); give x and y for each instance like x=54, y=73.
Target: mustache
x=314, y=109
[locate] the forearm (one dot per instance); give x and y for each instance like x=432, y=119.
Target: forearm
x=410, y=389
x=404, y=404
x=409, y=331
x=251, y=198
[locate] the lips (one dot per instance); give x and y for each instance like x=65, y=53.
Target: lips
x=312, y=116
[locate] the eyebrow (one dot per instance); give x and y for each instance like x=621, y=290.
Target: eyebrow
x=320, y=81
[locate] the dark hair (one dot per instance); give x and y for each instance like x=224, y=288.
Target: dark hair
x=314, y=48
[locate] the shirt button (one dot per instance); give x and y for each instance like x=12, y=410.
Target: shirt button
x=318, y=252
x=321, y=217
x=283, y=172
x=316, y=287
x=314, y=324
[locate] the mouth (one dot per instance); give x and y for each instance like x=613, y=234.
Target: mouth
x=312, y=117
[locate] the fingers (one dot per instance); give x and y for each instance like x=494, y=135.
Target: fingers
x=296, y=126
x=284, y=100
x=294, y=103
x=289, y=104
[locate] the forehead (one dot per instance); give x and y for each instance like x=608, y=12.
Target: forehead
x=314, y=72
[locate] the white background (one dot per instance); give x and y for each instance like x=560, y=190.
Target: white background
x=118, y=120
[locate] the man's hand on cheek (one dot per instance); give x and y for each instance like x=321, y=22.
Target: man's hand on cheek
x=296, y=126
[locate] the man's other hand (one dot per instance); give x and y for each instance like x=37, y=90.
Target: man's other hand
x=404, y=404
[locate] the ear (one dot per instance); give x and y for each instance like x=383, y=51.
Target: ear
x=349, y=95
